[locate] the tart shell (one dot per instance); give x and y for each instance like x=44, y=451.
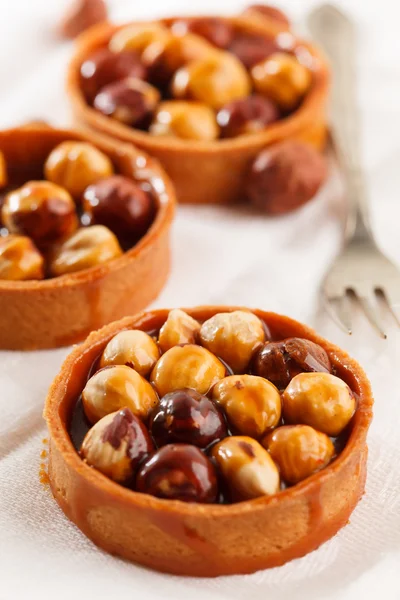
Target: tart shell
x=63, y=310
x=197, y=539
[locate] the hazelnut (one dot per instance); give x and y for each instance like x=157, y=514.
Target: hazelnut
x=179, y=328
x=185, y=120
x=187, y=416
x=41, y=210
x=116, y=387
x=188, y=366
x=116, y=444
x=130, y=101
x=178, y=472
x=252, y=49
x=252, y=404
x=299, y=451
x=214, y=81
x=248, y=115
x=20, y=260
x=75, y=165
x=246, y=468
x=233, y=337
x=3, y=171
x=320, y=400
x=81, y=15
x=120, y=204
x=133, y=348
x=281, y=361
x=138, y=36
x=270, y=12
x=282, y=79
x=218, y=32
x=87, y=247
x=284, y=177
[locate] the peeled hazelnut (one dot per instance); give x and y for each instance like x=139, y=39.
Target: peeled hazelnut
x=187, y=416
x=75, y=165
x=179, y=328
x=20, y=260
x=116, y=444
x=41, y=210
x=214, y=81
x=270, y=12
x=117, y=387
x=130, y=101
x=178, y=472
x=3, y=171
x=81, y=15
x=120, y=204
x=285, y=176
x=138, y=36
x=133, y=348
x=252, y=404
x=299, y=451
x=87, y=247
x=246, y=467
x=320, y=400
x=188, y=366
x=282, y=79
x=233, y=337
x=185, y=120
x=281, y=361
x=219, y=32
x=252, y=49
x=248, y=115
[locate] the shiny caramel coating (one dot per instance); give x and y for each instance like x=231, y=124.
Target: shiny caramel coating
x=138, y=36
x=179, y=328
x=133, y=348
x=129, y=101
x=185, y=120
x=20, y=260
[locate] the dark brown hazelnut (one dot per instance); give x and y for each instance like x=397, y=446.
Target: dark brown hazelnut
x=270, y=12
x=130, y=101
x=178, y=472
x=252, y=49
x=219, y=32
x=248, y=115
x=285, y=176
x=279, y=362
x=81, y=15
x=187, y=416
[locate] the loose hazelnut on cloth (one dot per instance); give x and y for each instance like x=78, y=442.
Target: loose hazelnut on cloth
x=20, y=260
x=130, y=101
x=81, y=15
x=185, y=120
x=284, y=177
x=3, y=171
x=138, y=36
x=252, y=49
x=133, y=348
x=179, y=328
x=248, y=115
x=217, y=31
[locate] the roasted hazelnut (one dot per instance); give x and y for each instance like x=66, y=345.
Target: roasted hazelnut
x=284, y=177
x=138, y=36
x=120, y=204
x=20, y=260
x=214, y=81
x=130, y=101
x=178, y=472
x=185, y=120
x=75, y=165
x=246, y=468
x=179, y=328
x=233, y=337
x=252, y=49
x=3, y=171
x=320, y=400
x=187, y=416
x=87, y=247
x=188, y=366
x=281, y=361
x=116, y=444
x=133, y=348
x=248, y=115
x=81, y=15
x=282, y=79
x=299, y=451
x=41, y=210
x=270, y=12
x=252, y=404
x=219, y=32
x=116, y=387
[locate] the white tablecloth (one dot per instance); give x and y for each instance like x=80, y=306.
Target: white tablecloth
x=275, y=264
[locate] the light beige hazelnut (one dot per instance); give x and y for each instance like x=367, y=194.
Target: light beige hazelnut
x=3, y=171
x=179, y=328
x=133, y=348
x=20, y=260
x=185, y=120
x=138, y=36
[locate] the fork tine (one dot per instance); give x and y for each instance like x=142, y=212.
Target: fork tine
x=390, y=305
x=338, y=310
x=370, y=312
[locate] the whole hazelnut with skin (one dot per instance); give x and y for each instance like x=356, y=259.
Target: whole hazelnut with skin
x=114, y=388
x=284, y=177
x=279, y=362
x=299, y=451
x=130, y=101
x=187, y=416
x=252, y=404
x=233, y=337
x=133, y=348
x=179, y=328
x=41, y=210
x=20, y=260
x=3, y=171
x=185, y=120
x=248, y=115
x=320, y=400
x=218, y=32
x=270, y=12
x=188, y=366
x=138, y=36
x=246, y=468
x=116, y=445
x=75, y=165
x=120, y=204
x=252, y=49
x=178, y=472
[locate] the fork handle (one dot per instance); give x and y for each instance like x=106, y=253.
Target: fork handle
x=336, y=34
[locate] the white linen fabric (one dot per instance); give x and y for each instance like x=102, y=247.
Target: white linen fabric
x=220, y=255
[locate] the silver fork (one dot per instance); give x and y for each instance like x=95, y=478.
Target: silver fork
x=361, y=270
